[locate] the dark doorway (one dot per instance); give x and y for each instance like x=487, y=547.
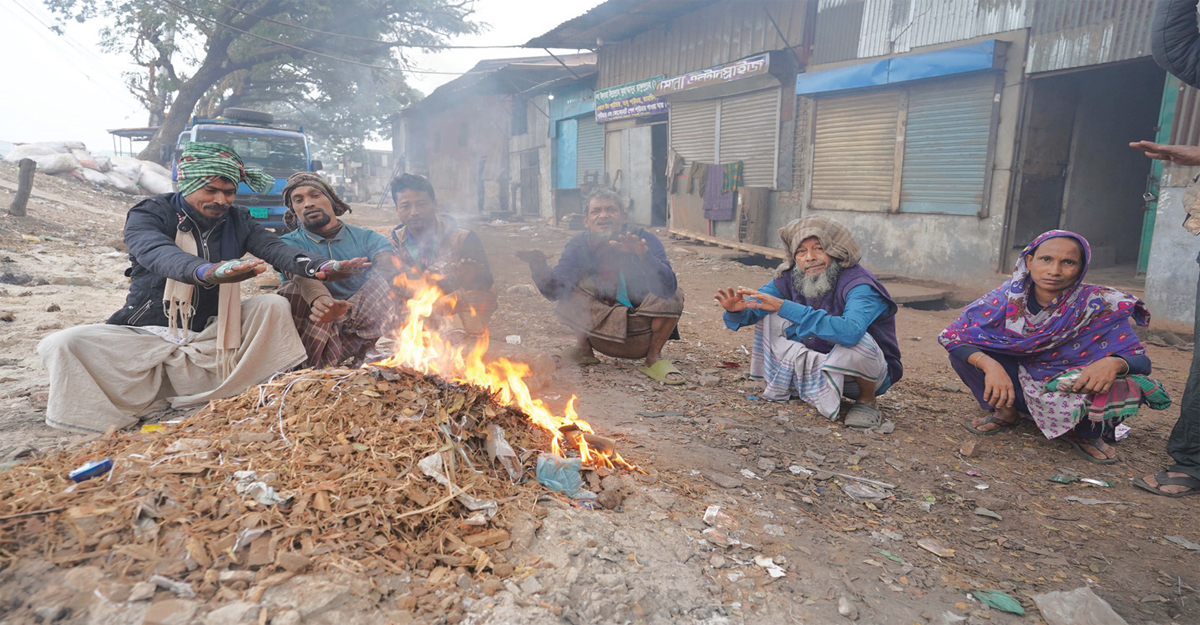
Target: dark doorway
x=1077, y=171
x=530, y=183
x=658, y=163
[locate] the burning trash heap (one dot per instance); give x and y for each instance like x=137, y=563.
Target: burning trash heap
x=408, y=463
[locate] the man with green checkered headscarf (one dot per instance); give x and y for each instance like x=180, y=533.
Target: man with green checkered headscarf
x=185, y=334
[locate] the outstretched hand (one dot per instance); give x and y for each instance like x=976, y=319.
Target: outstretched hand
x=1177, y=154
x=532, y=257
x=234, y=271
x=730, y=300
x=334, y=270
x=465, y=270
x=757, y=300
x=630, y=244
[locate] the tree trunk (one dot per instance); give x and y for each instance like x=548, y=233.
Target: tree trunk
x=162, y=144
x=24, y=187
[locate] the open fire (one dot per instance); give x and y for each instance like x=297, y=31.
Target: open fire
x=422, y=347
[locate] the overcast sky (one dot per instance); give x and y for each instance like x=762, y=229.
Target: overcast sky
x=66, y=89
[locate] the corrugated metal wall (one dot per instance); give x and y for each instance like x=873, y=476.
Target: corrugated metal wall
x=854, y=151
x=750, y=133
x=1066, y=34
x=693, y=130
x=947, y=134
x=882, y=27
x=591, y=149
x=717, y=34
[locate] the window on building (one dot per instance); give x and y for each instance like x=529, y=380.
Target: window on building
x=520, y=117
x=924, y=148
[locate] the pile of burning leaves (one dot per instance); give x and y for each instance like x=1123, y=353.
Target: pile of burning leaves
x=363, y=470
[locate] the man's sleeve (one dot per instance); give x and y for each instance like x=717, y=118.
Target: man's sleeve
x=280, y=254
x=146, y=238
x=566, y=274
x=656, y=268
x=863, y=306
x=472, y=249
x=1175, y=40
x=750, y=316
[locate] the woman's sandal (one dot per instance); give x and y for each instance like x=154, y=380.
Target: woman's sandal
x=1079, y=443
x=992, y=418
x=1163, y=479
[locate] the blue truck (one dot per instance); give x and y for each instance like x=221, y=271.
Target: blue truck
x=280, y=152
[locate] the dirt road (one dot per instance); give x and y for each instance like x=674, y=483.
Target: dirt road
x=711, y=443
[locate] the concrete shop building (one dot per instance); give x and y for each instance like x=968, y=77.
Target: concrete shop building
x=946, y=133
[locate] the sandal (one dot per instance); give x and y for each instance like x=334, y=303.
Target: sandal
x=863, y=416
x=993, y=419
x=1079, y=443
x=1163, y=479
x=660, y=370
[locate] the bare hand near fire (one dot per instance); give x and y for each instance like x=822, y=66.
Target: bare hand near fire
x=1177, y=154
x=465, y=271
x=730, y=300
x=630, y=244
x=532, y=257
x=760, y=301
x=335, y=270
x=325, y=309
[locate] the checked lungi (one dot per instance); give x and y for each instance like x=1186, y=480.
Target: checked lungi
x=791, y=369
x=372, y=315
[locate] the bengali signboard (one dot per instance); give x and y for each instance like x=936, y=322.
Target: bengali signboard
x=750, y=66
x=635, y=99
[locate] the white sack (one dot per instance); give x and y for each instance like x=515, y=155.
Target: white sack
x=28, y=150
x=154, y=183
x=86, y=160
x=95, y=177
x=131, y=168
x=56, y=163
x=156, y=168
x=121, y=183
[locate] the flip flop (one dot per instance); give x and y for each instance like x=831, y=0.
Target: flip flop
x=1164, y=480
x=863, y=416
x=660, y=370
x=1078, y=445
x=992, y=418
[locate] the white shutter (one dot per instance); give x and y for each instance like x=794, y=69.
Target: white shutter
x=854, y=151
x=750, y=133
x=694, y=130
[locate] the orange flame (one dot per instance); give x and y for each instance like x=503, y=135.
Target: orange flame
x=421, y=347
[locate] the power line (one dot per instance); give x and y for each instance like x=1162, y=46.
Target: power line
x=432, y=46
x=312, y=52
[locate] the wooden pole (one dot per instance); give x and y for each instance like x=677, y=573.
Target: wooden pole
x=24, y=187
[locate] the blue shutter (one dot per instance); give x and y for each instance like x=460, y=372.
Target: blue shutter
x=946, y=145
x=564, y=160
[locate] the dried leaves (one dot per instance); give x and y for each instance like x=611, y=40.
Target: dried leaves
x=326, y=475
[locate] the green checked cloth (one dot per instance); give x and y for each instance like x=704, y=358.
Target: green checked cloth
x=1121, y=401
x=203, y=162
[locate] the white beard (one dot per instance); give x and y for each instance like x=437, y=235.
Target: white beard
x=816, y=287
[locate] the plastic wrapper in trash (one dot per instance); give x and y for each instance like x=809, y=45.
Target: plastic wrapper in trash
x=499, y=449
x=1121, y=432
x=560, y=474
x=92, y=469
x=433, y=466
x=249, y=485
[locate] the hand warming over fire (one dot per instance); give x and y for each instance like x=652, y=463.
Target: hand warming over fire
x=325, y=309
x=335, y=270
x=532, y=257
x=465, y=271
x=760, y=301
x=730, y=300
x=630, y=244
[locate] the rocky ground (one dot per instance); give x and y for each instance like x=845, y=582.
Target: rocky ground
x=997, y=519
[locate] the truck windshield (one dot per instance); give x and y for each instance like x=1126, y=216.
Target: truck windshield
x=278, y=155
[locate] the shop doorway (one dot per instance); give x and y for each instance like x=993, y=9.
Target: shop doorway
x=1077, y=171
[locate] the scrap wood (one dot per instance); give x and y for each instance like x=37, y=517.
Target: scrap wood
x=337, y=446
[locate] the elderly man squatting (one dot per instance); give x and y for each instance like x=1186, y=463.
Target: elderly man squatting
x=615, y=288
x=184, y=334
x=824, y=328
x=340, y=320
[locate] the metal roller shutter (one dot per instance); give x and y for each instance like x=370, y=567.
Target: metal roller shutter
x=694, y=130
x=947, y=135
x=590, y=148
x=854, y=151
x=750, y=133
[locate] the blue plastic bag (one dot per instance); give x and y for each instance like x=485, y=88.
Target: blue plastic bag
x=560, y=474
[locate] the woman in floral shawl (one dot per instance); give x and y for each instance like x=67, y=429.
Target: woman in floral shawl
x=1047, y=345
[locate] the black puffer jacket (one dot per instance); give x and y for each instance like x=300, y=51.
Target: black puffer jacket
x=150, y=229
x=1175, y=40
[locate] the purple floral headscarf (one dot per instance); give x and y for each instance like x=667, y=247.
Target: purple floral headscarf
x=1084, y=323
